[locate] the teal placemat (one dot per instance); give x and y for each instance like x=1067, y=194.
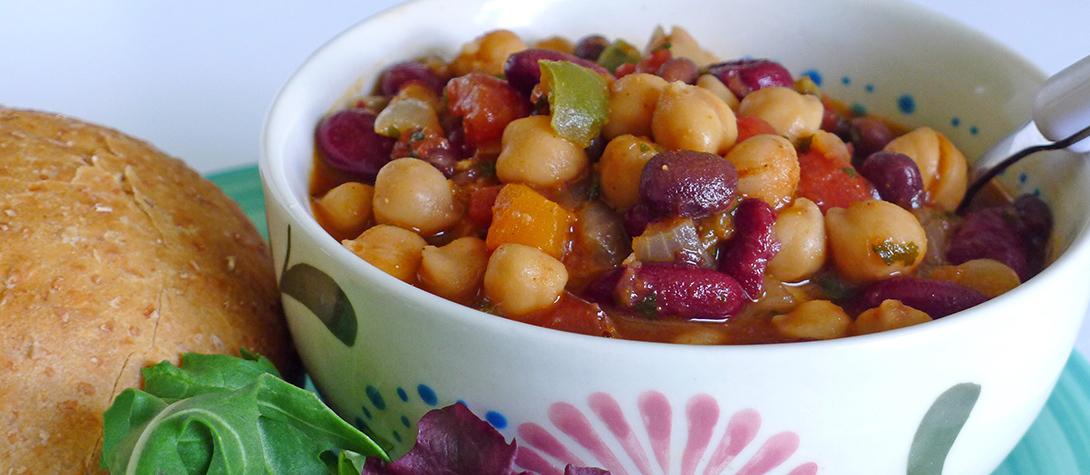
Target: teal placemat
x=1058, y=443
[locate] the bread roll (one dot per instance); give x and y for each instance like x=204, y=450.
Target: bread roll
x=113, y=256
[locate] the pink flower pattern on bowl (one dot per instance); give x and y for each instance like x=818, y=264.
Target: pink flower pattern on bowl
x=543, y=452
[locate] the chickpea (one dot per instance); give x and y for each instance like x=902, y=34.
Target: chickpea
x=713, y=84
x=632, y=101
x=874, y=239
x=987, y=276
x=692, y=118
x=942, y=166
x=620, y=168
x=556, y=43
x=393, y=250
x=768, y=169
x=346, y=208
x=800, y=229
x=454, y=271
x=813, y=320
x=533, y=153
x=521, y=279
x=888, y=315
x=487, y=53
x=681, y=44
x=414, y=195
x=793, y=115
x=830, y=146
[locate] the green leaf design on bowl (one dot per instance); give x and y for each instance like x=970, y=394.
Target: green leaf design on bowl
x=940, y=427
x=320, y=294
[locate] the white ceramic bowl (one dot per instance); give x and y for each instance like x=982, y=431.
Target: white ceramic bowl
x=854, y=405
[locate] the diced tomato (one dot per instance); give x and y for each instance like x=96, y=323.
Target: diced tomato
x=624, y=70
x=749, y=126
x=486, y=105
x=652, y=63
x=831, y=183
x=573, y=314
x=480, y=205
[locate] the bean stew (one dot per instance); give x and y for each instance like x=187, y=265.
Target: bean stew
x=660, y=194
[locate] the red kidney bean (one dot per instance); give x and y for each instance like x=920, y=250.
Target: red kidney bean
x=348, y=142
x=747, y=75
x=601, y=290
x=1036, y=220
x=868, y=136
x=591, y=47
x=399, y=75
x=636, y=219
x=745, y=257
x=1036, y=217
x=523, y=72
x=832, y=122
x=991, y=233
x=456, y=136
x=672, y=290
x=937, y=298
x=896, y=177
x=679, y=69
x=687, y=183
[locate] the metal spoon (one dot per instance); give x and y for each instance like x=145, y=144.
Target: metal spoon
x=1061, y=119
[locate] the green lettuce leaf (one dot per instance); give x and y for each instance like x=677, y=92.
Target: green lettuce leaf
x=223, y=415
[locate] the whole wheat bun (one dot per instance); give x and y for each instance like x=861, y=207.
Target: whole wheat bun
x=113, y=256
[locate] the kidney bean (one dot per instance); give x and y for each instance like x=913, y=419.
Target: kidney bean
x=601, y=290
x=636, y=219
x=867, y=136
x=937, y=298
x=687, y=183
x=523, y=71
x=679, y=69
x=745, y=257
x=397, y=76
x=591, y=47
x=1036, y=218
x=672, y=290
x=991, y=233
x=348, y=142
x=832, y=122
x=456, y=136
x=896, y=177
x=747, y=75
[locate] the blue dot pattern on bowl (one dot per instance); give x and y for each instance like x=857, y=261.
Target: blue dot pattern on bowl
x=858, y=109
x=496, y=419
x=869, y=88
x=974, y=130
x=907, y=104
x=376, y=398
x=427, y=394
x=847, y=81
x=814, y=75
x=954, y=121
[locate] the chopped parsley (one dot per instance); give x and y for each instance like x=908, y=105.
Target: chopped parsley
x=644, y=147
x=891, y=252
x=416, y=136
x=849, y=171
x=648, y=306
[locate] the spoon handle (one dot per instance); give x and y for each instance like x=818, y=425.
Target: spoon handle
x=1062, y=107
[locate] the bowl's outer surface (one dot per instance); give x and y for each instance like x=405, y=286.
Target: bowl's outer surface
x=844, y=406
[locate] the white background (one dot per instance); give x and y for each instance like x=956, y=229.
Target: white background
x=196, y=77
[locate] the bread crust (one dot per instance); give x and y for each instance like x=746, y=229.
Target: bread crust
x=113, y=256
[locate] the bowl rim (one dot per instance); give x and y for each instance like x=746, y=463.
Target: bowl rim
x=274, y=177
